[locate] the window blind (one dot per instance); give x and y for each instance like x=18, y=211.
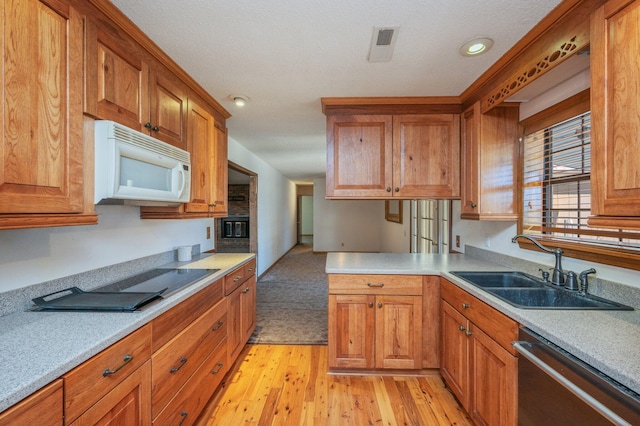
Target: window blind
x=557, y=187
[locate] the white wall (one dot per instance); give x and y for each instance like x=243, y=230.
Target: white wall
x=345, y=225
x=32, y=256
x=276, y=206
x=396, y=237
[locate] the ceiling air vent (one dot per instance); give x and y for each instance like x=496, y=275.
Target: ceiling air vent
x=382, y=43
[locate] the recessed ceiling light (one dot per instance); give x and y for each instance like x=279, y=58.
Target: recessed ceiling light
x=239, y=100
x=476, y=46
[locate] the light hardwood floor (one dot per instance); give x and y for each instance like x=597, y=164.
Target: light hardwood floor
x=288, y=385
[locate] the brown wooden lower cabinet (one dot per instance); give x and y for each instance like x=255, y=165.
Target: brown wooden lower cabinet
x=478, y=363
x=43, y=407
x=375, y=321
x=129, y=403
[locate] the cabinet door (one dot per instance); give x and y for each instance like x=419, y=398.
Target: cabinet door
x=248, y=308
x=359, y=151
x=470, y=161
x=454, y=365
x=42, y=144
x=615, y=109
x=494, y=382
x=129, y=403
x=168, y=106
x=489, y=147
x=43, y=408
x=220, y=174
x=426, y=155
x=234, y=324
x=398, y=332
x=351, y=331
x=200, y=143
x=116, y=81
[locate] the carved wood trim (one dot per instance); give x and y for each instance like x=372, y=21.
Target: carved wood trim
x=534, y=70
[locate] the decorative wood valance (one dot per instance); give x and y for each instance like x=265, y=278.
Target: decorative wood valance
x=534, y=70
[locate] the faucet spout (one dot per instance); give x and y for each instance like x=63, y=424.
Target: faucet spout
x=558, y=274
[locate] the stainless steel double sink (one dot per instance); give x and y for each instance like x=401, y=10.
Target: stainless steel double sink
x=529, y=292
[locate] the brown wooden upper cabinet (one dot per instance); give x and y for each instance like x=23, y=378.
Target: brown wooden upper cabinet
x=393, y=155
x=615, y=157
x=489, y=158
x=42, y=172
x=121, y=85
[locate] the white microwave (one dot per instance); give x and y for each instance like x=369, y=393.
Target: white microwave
x=134, y=168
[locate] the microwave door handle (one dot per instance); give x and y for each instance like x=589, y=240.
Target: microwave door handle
x=183, y=182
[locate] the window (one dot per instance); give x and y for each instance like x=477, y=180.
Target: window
x=556, y=189
x=430, y=230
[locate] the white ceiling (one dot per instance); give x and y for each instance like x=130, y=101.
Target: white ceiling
x=287, y=54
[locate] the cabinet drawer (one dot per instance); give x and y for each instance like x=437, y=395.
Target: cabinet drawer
x=234, y=279
x=87, y=383
x=174, y=363
x=172, y=322
x=43, y=408
x=410, y=285
x=250, y=268
x=495, y=324
x=186, y=406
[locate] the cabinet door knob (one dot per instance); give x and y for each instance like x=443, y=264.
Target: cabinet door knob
x=474, y=205
x=379, y=304
x=388, y=189
x=466, y=306
x=155, y=128
x=147, y=125
x=371, y=304
x=468, y=333
x=397, y=189
x=462, y=328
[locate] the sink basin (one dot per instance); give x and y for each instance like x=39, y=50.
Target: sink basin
x=528, y=292
x=553, y=298
x=500, y=279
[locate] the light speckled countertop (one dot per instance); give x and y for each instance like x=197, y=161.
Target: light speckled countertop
x=38, y=347
x=607, y=340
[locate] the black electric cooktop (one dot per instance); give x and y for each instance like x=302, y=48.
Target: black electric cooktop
x=125, y=295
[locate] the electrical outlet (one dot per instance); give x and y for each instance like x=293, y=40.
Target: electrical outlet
x=458, y=241
x=208, y=232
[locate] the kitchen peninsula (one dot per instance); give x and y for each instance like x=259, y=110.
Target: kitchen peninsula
x=606, y=340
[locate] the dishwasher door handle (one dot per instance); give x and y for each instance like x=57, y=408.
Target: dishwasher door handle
x=569, y=385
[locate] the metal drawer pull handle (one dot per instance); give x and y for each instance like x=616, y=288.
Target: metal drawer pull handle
x=220, y=364
x=184, y=415
x=468, y=333
x=375, y=285
x=236, y=279
x=466, y=306
x=246, y=290
x=462, y=328
x=183, y=361
x=250, y=269
x=127, y=359
x=569, y=385
x=217, y=326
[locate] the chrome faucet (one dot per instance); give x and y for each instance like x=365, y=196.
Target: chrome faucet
x=558, y=274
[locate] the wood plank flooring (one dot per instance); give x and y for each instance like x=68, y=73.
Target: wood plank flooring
x=288, y=385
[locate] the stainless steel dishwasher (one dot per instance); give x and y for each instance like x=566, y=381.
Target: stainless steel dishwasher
x=555, y=388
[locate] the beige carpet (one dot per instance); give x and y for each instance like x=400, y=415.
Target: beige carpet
x=292, y=300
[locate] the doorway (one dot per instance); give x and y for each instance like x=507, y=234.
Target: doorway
x=238, y=232
x=304, y=214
